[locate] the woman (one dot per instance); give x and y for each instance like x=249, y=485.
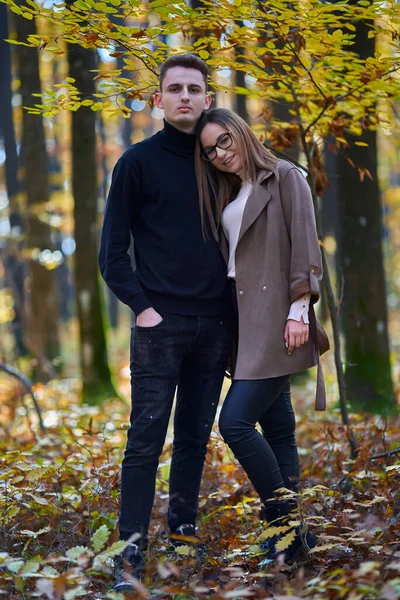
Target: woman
x=269, y=240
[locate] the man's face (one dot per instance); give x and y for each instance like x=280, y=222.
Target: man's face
x=183, y=97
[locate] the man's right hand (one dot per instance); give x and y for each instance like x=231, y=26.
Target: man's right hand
x=148, y=318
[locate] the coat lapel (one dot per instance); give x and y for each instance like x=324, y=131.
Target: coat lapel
x=255, y=204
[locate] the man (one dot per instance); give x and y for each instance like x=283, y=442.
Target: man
x=181, y=299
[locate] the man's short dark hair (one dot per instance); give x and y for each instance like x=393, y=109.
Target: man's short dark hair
x=188, y=61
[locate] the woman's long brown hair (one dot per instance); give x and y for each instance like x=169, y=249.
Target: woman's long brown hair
x=220, y=186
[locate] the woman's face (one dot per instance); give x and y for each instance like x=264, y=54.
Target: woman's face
x=220, y=148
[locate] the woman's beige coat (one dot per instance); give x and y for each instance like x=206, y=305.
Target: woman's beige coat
x=277, y=260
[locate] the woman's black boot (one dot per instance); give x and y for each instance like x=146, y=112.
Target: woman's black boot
x=278, y=514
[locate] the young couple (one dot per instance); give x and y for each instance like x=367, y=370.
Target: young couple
x=227, y=267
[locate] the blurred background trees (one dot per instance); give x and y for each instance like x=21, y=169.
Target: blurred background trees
x=95, y=371
x=41, y=306
x=361, y=268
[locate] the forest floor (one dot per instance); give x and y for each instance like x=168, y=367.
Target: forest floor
x=60, y=492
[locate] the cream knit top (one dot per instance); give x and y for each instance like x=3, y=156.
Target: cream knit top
x=231, y=220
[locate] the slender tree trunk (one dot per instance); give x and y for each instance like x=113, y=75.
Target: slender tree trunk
x=113, y=305
x=363, y=311
x=329, y=205
x=93, y=351
x=330, y=296
x=42, y=329
x=126, y=131
x=12, y=256
x=240, y=105
x=6, y=115
x=329, y=223
x=240, y=100
x=126, y=124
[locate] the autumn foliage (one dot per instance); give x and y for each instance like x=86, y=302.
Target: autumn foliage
x=296, y=52
x=59, y=505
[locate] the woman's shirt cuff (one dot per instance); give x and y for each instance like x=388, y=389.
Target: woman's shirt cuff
x=299, y=309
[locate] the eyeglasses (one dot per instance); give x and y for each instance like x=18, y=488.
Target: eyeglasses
x=224, y=141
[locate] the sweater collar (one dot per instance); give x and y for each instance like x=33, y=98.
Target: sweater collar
x=174, y=138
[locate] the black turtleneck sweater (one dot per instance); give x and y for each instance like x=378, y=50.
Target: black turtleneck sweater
x=154, y=196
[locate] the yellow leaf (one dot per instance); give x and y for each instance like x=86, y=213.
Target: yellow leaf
x=35, y=474
x=11, y=513
x=186, y=551
x=100, y=537
x=271, y=531
x=258, y=62
x=204, y=54
x=285, y=542
x=360, y=144
x=40, y=500
x=323, y=548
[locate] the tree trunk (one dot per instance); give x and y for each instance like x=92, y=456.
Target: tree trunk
x=240, y=99
x=12, y=255
x=42, y=327
x=363, y=311
x=113, y=305
x=241, y=104
x=93, y=351
x=329, y=225
x=6, y=115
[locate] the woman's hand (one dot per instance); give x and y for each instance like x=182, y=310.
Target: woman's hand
x=296, y=334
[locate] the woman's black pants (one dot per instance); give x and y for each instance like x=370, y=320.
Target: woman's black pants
x=270, y=459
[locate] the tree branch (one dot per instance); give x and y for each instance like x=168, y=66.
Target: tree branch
x=286, y=157
x=385, y=454
x=295, y=54
x=328, y=287
x=28, y=386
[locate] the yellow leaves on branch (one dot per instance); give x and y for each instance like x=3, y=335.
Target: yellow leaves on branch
x=295, y=52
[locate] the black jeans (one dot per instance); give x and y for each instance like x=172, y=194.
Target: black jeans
x=185, y=352
x=270, y=460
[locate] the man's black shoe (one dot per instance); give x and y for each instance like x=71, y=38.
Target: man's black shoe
x=128, y=564
x=185, y=535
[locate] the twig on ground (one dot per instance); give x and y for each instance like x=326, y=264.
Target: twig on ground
x=385, y=454
x=28, y=385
